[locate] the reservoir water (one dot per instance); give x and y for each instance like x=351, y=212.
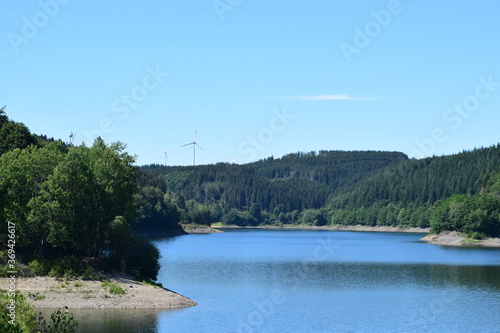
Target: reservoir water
x=317, y=281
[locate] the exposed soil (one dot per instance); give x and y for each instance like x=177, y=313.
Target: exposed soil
x=48, y=292
x=453, y=238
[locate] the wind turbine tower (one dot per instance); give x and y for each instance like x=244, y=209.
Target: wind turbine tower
x=71, y=138
x=195, y=144
x=165, y=152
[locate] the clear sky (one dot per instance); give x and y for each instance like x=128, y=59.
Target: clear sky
x=256, y=78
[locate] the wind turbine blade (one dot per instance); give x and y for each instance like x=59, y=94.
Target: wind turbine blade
x=199, y=146
x=195, y=135
x=187, y=144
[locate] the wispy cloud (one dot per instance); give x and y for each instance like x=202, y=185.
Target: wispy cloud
x=332, y=97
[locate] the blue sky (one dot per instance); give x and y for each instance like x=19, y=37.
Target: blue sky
x=256, y=78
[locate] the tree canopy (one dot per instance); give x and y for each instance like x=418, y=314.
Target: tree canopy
x=75, y=201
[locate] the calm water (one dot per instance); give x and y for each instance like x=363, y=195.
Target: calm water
x=317, y=281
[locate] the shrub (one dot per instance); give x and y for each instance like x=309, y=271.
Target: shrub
x=61, y=267
x=117, y=290
x=39, y=268
x=477, y=235
x=60, y=321
x=24, y=314
x=113, y=288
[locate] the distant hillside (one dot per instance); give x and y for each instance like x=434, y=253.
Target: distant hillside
x=329, y=187
x=294, y=182
x=403, y=195
x=458, y=192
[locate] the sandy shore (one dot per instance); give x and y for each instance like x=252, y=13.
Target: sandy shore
x=48, y=292
x=342, y=228
x=199, y=229
x=453, y=238
x=448, y=238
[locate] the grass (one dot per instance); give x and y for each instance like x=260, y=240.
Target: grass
x=469, y=240
x=113, y=288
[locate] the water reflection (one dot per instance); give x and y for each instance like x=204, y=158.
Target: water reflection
x=362, y=282
x=112, y=320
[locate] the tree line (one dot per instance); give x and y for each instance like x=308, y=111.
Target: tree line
x=326, y=187
x=271, y=191
x=71, y=206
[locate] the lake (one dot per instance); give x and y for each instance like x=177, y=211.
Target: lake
x=248, y=280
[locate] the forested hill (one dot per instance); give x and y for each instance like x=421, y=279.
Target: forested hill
x=404, y=195
x=333, y=187
x=294, y=182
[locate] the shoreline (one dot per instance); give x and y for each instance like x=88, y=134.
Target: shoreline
x=453, y=238
x=49, y=292
x=447, y=238
x=357, y=228
x=194, y=228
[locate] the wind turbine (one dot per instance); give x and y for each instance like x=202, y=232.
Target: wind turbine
x=165, y=151
x=194, y=147
x=71, y=138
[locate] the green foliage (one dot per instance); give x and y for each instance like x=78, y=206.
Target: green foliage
x=80, y=222
x=477, y=215
x=113, y=288
x=15, y=136
x=40, y=268
x=67, y=266
x=197, y=213
x=22, y=315
x=142, y=259
x=61, y=321
x=425, y=181
x=26, y=320
x=295, y=182
x=349, y=188
x=116, y=290
x=313, y=217
x=71, y=203
x=157, y=212
x=138, y=257
x=404, y=195
x=154, y=284
x=22, y=173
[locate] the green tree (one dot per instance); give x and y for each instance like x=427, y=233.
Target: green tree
x=83, y=195
x=22, y=174
x=157, y=212
x=15, y=135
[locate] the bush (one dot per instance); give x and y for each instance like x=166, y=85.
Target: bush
x=60, y=321
x=139, y=258
x=24, y=314
x=113, y=288
x=61, y=267
x=476, y=235
x=39, y=268
x=117, y=290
